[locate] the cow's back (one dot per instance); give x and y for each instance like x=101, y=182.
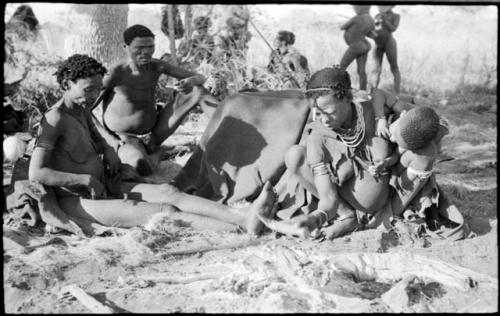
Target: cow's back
x=246, y=140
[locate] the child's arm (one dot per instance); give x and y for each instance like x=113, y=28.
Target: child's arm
x=379, y=100
x=392, y=26
x=347, y=24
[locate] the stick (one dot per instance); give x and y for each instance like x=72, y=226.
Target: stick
x=87, y=300
x=236, y=245
x=280, y=59
x=186, y=280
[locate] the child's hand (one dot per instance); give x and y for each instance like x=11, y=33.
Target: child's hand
x=377, y=168
x=382, y=128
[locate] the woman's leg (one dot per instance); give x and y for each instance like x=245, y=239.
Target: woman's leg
x=121, y=213
x=165, y=193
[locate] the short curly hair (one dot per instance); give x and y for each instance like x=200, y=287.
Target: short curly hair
x=418, y=127
x=78, y=67
x=336, y=80
x=137, y=30
x=286, y=36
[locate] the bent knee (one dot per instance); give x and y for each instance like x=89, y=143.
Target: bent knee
x=168, y=190
x=295, y=158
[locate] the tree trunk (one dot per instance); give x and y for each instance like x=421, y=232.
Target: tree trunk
x=171, y=33
x=187, y=20
x=97, y=31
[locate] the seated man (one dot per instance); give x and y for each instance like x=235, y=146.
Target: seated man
x=67, y=158
x=129, y=108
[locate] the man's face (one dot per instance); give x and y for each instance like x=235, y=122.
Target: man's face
x=141, y=50
x=332, y=112
x=84, y=91
x=278, y=43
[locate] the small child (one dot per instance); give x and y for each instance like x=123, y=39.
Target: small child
x=355, y=31
x=417, y=132
x=386, y=22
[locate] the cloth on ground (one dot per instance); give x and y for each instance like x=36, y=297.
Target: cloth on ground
x=43, y=203
x=244, y=145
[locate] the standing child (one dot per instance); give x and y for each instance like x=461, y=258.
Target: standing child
x=355, y=31
x=386, y=22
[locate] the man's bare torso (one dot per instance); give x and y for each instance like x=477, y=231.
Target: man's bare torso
x=130, y=108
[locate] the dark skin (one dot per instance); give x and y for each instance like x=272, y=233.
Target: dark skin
x=356, y=29
x=129, y=105
x=350, y=192
x=386, y=23
x=67, y=155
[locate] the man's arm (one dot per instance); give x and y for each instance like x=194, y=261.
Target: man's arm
x=392, y=26
x=181, y=73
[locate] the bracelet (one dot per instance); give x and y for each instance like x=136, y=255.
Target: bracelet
x=324, y=213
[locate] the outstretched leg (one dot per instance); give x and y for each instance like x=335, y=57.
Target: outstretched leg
x=392, y=57
x=165, y=193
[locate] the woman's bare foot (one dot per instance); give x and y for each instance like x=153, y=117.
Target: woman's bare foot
x=341, y=226
x=264, y=205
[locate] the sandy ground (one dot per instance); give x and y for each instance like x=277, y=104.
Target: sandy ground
x=169, y=266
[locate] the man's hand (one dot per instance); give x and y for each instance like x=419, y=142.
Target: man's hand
x=111, y=160
x=382, y=128
x=186, y=85
x=96, y=188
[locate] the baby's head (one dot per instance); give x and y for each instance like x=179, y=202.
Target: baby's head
x=416, y=128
